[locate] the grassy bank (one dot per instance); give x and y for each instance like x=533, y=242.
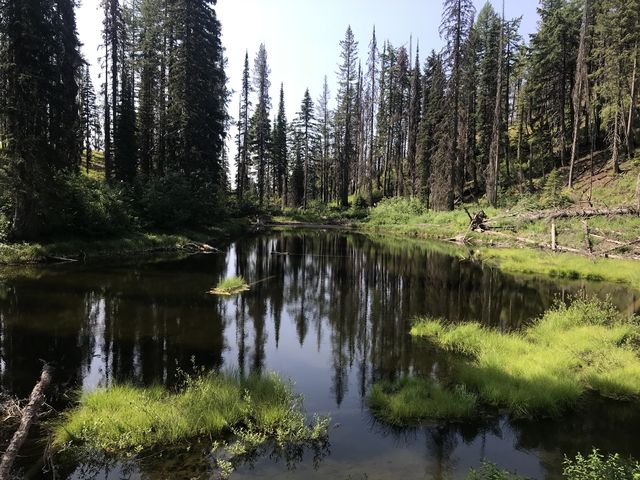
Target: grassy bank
x=565, y=265
x=136, y=243
x=546, y=368
x=235, y=414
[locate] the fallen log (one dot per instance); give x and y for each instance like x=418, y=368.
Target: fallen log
x=593, y=212
x=29, y=413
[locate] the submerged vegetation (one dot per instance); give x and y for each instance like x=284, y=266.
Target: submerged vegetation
x=236, y=415
x=545, y=368
x=230, y=286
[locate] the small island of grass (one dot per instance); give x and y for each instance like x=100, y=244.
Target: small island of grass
x=542, y=370
x=235, y=414
x=230, y=286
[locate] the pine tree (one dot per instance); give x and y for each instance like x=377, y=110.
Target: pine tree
x=89, y=118
x=345, y=114
x=279, y=150
x=371, y=99
x=457, y=18
x=242, y=159
x=260, y=121
x=39, y=121
x=306, y=131
x=324, y=115
x=414, y=122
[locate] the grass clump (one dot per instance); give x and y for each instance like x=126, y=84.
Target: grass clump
x=546, y=368
x=125, y=419
x=230, y=286
x=410, y=400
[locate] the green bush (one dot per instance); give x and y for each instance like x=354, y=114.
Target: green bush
x=396, y=211
x=175, y=201
x=596, y=466
x=84, y=206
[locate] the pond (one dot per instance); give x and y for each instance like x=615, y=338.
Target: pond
x=330, y=310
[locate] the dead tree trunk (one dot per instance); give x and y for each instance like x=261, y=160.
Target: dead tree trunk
x=36, y=400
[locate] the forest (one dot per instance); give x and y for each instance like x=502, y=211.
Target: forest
x=148, y=148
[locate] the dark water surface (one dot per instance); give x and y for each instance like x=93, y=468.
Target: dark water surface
x=332, y=312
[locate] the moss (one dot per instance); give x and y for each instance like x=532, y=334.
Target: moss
x=124, y=419
x=544, y=369
x=411, y=400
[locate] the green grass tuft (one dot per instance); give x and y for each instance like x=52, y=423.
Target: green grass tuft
x=544, y=369
x=411, y=400
x=125, y=419
x=230, y=286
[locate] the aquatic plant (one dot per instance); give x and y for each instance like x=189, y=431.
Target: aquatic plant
x=545, y=368
x=597, y=466
x=230, y=286
x=413, y=399
x=236, y=414
x=594, y=466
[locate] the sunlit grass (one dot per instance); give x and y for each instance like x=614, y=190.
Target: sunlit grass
x=230, y=286
x=410, y=400
x=563, y=265
x=544, y=369
x=128, y=419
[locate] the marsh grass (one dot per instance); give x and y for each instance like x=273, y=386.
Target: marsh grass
x=234, y=413
x=563, y=265
x=230, y=286
x=546, y=368
x=411, y=400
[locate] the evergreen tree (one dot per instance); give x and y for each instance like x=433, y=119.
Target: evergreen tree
x=39, y=122
x=345, y=114
x=89, y=118
x=279, y=150
x=306, y=130
x=242, y=161
x=457, y=18
x=260, y=121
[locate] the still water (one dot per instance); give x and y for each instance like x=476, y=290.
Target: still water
x=330, y=310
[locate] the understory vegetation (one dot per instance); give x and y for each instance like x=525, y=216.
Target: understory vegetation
x=235, y=414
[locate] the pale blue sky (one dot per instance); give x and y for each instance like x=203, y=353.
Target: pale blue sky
x=302, y=36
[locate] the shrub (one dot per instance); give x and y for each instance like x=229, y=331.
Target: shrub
x=596, y=466
x=396, y=211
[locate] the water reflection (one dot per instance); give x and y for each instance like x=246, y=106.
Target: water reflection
x=330, y=310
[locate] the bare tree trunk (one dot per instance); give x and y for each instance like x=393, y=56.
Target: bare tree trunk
x=494, y=154
x=554, y=243
x=579, y=88
x=632, y=106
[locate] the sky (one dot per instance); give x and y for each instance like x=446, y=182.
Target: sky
x=302, y=37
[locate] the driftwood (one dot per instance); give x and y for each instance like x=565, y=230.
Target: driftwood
x=30, y=412
x=199, y=247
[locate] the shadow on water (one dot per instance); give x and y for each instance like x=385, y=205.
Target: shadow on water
x=333, y=314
